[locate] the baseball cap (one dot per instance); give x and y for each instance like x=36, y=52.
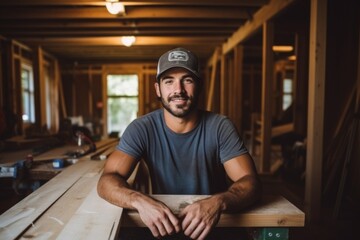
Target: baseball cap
x=178, y=57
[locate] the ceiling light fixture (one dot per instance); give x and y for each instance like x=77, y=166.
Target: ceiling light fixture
x=292, y=58
x=115, y=7
x=282, y=48
x=128, y=40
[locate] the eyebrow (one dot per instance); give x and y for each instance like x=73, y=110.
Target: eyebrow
x=167, y=76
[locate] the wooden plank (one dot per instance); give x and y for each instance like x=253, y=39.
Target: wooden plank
x=314, y=151
x=103, y=150
x=273, y=211
x=52, y=222
x=95, y=219
x=21, y=216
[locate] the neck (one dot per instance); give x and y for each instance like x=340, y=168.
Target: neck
x=181, y=124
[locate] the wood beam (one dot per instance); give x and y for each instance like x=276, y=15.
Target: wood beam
x=131, y=13
x=314, y=151
x=224, y=86
x=118, y=32
x=212, y=79
x=19, y=25
x=249, y=3
x=110, y=41
x=253, y=25
x=266, y=96
x=238, y=86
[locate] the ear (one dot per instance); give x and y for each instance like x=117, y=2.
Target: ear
x=157, y=89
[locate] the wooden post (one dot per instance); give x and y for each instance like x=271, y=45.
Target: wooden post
x=238, y=86
x=61, y=90
x=39, y=81
x=314, y=156
x=90, y=91
x=212, y=80
x=267, y=77
x=224, y=86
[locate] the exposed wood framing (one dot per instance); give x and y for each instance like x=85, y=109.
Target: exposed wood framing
x=238, y=86
x=357, y=102
x=89, y=90
x=212, y=79
x=224, y=86
x=266, y=99
x=61, y=90
x=39, y=76
x=133, y=3
x=314, y=156
x=251, y=26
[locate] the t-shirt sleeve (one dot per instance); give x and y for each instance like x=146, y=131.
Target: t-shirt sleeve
x=230, y=143
x=132, y=141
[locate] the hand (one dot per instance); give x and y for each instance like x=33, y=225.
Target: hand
x=158, y=218
x=200, y=217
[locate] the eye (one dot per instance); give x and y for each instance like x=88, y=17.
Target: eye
x=168, y=81
x=188, y=80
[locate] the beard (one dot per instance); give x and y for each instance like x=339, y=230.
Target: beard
x=179, y=110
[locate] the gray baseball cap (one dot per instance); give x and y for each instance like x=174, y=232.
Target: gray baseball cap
x=178, y=58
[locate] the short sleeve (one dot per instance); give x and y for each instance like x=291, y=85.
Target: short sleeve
x=230, y=143
x=132, y=141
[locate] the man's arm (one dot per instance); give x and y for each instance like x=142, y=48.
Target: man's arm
x=113, y=187
x=200, y=217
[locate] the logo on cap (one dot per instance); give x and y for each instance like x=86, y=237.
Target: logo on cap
x=178, y=56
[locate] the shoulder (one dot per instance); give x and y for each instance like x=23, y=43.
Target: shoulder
x=212, y=118
x=155, y=116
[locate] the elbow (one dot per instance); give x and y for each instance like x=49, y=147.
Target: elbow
x=255, y=189
x=100, y=188
x=258, y=189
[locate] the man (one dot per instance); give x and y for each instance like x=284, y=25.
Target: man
x=187, y=150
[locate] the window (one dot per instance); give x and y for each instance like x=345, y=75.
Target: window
x=287, y=93
x=27, y=92
x=122, y=101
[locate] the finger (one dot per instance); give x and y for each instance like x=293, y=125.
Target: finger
x=204, y=233
x=154, y=231
x=189, y=229
x=198, y=230
x=161, y=229
x=169, y=227
x=185, y=223
x=174, y=222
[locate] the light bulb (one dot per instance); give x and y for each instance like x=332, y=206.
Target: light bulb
x=115, y=7
x=128, y=40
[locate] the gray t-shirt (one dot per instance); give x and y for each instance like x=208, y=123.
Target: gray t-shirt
x=189, y=163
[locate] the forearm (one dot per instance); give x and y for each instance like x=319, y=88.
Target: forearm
x=114, y=189
x=155, y=214
x=241, y=194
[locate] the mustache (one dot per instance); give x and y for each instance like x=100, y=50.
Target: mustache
x=177, y=96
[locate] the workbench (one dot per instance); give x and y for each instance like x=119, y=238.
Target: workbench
x=15, y=164
x=68, y=207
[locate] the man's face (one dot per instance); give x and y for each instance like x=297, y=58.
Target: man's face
x=178, y=91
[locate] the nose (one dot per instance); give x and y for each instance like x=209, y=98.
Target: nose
x=178, y=87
